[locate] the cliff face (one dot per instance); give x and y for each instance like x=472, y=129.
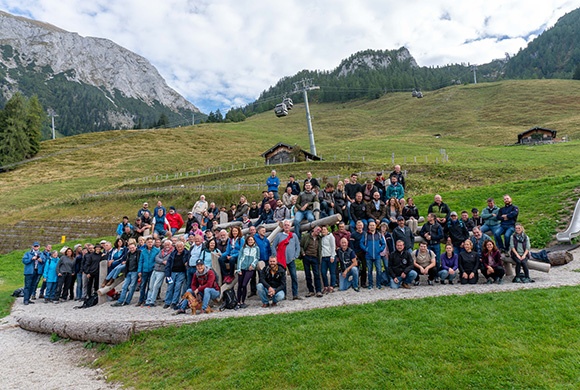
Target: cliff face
x=33, y=52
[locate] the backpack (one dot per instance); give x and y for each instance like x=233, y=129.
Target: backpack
x=229, y=300
x=89, y=302
x=19, y=292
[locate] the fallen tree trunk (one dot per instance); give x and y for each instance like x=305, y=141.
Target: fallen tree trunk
x=560, y=257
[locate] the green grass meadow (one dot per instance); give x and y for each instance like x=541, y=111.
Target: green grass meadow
x=517, y=340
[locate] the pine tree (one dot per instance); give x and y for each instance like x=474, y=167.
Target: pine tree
x=14, y=142
x=34, y=119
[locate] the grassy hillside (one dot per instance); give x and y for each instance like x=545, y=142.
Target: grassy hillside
x=476, y=122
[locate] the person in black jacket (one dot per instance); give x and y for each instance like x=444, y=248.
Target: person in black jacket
x=457, y=232
x=468, y=264
x=131, y=276
x=432, y=232
x=401, y=267
x=272, y=286
x=90, y=268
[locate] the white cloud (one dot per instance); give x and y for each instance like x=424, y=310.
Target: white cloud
x=223, y=53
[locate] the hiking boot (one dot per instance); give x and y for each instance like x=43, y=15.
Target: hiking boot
x=117, y=304
x=417, y=282
x=442, y=281
x=265, y=305
x=405, y=285
x=139, y=304
x=451, y=282
x=173, y=306
x=319, y=295
x=369, y=287
x=430, y=282
x=499, y=281
x=356, y=289
x=46, y=300
x=489, y=281
x=517, y=280
x=243, y=305
x=296, y=298
x=166, y=306
x=208, y=310
x=274, y=304
x=310, y=294
x=39, y=297
x=180, y=311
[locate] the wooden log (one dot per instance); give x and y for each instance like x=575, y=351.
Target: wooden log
x=103, y=267
x=560, y=257
x=269, y=227
x=104, y=290
x=535, y=265
x=274, y=232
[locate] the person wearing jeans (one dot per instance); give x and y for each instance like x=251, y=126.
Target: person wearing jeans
x=311, y=249
x=373, y=243
x=272, y=285
x=158, y=273
x=131, y=277
x=347, y=266
x=305, y=207
x=175, y=274
x=203, y=283
x=146, y=265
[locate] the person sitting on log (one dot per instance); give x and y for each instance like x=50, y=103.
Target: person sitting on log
x=230, y=257
x=241, y=209
x=131, y=276
x=121, y=226
x=305, y=207
x=199, y=207
x=282, y=212
x=266, y=216
x=395, y=189
x=520, y=253
x=376, y=210
x=358, y=211
x=160, y=224
x=491, y=263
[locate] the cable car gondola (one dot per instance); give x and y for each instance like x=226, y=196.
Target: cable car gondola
x=289, y=103
x=280, y=110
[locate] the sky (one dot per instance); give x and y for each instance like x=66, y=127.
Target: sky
x=224, y=53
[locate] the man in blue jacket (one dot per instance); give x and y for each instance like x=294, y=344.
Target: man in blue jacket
x=273, y=182
x=33, y=268
x=373, y=243
x=145, y=268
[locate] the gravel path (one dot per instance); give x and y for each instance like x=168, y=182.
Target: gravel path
x=59, y=362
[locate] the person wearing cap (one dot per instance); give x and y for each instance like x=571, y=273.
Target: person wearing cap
x=395, y=189
x=467, y=221
x=33, y=268
x=175, y=220
x=401, y=267
x=403, y=233
x=457, y=232
x=121, y=226
x=203, y=285
x=475, y=219
x=143, y=209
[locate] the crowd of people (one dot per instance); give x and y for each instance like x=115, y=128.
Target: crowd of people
x=372, y=246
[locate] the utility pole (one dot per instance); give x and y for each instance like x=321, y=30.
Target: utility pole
x=193, y=119
x=52, y=115
x=474, y=69
x=304, y=86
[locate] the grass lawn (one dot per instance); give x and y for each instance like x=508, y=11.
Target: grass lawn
x=519, y=340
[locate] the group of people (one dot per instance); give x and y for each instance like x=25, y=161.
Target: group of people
x=377, y=233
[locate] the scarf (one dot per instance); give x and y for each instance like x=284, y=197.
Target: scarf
x=281, y=250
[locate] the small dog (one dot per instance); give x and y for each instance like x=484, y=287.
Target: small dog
x=194, y=301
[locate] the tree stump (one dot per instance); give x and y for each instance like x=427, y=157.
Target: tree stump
x=560, y=257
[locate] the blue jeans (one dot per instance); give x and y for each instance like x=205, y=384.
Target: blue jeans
x=189, y=276
x=485, y=228
x=174, y=289
x=79, y=290
x=350, y=280
x=408, y=280
x=324, y=268
x=154, y=285
x=377, y=263
x=310, y=269
x=444, y=274
x=291, y=268
x=299, y=217
x=50, y=291
x=114, y=274
x=325, y=209
x=507, y=231
x=263, y=294
x=209, y=293
x=145, y=278
x=437, y=250
x=173, y=231
x=28, y=289
x=129, y=286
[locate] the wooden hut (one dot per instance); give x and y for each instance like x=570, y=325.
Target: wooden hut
x=282, y=153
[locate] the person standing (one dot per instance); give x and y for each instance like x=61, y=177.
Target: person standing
x=132, y=267
x=273, y=182
x=33, y=268
x=65, y=271
x=311, y=250
x=286, y=247
x=373, y=243
x=145, y=269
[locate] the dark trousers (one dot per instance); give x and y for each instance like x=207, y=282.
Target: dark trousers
x=312, y=268
x=232, y=263
x=472, y=280
x=144, y=287
x=498, y=273
x=431, y=273
x=243, y=280
x=63, y=286
x=521, y=264
x=362, y=264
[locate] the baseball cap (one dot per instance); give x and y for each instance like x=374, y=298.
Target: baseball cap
x=199, y=262
x=453, y=213
x=36, y=243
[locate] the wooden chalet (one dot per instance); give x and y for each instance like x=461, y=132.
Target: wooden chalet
x=537, y=135
x=282, y=153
